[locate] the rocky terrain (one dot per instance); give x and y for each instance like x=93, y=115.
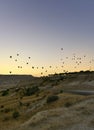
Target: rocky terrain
x=44, y=103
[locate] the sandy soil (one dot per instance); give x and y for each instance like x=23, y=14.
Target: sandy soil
x=77, y=117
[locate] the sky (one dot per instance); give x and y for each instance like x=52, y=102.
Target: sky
x=39, y=29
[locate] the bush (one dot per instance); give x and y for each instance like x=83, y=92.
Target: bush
x=6, y=110
x=5, y=92
x=61, y=91
x=15, y=114
x=67, y=104
x=2, y=106
x=31, y=91
x=52, y=98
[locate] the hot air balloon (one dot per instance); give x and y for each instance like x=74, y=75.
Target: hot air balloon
x=66, y=57
x=61, y=48
x=10, y=56
x=10, y=72
x=41, y=73
x=29, y=57
x=84, y=56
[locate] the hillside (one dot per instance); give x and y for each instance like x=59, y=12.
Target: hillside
x=10, y=81
x=42, y=103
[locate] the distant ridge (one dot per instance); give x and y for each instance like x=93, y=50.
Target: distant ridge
x=8, y=81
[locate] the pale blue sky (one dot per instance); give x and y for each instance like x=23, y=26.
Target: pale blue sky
x=39, y=28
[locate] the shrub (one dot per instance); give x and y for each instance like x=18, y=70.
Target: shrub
x=52, y=98
x=2, y=110
x=2, y=106
x=68, y=104
x=20, y=103
x=15, y=114
x=5, y=92
x=61, y=91
x=31, y=91
x=6, y=110
x=27, y=104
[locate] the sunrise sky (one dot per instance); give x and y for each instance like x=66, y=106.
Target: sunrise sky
x=39, y=29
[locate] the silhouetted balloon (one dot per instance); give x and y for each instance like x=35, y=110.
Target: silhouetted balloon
x=20, y=67
x=84, y=56
x=10, y=56
x=29, y=57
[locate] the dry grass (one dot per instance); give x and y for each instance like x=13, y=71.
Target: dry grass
x=28, y=106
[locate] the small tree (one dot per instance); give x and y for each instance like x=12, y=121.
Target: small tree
x=31, y=91
x=15, y=114
x=5, y=92
x=52, y=98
